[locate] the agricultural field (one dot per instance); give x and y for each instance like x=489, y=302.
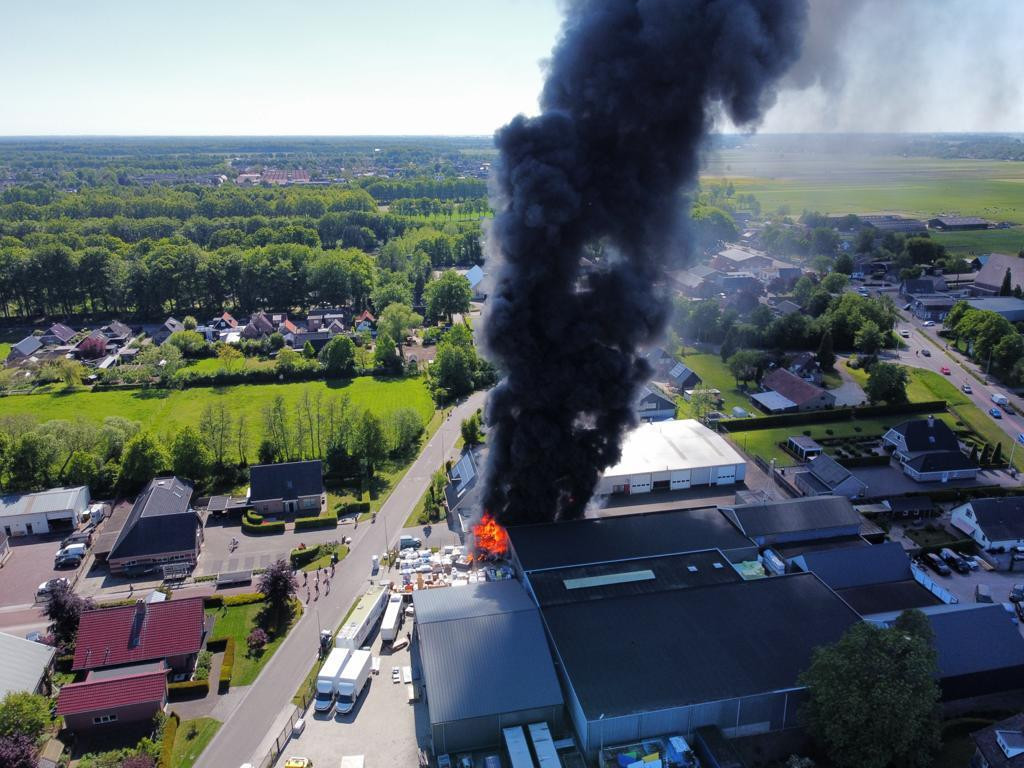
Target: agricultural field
x=165, y=411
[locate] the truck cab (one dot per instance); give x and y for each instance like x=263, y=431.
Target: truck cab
x=352, y=681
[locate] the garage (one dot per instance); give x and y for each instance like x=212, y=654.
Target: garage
x=672, y=456
x=57, y=510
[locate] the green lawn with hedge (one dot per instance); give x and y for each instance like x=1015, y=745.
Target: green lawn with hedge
x=714, y=374
x=236, y=622
x=191, y=739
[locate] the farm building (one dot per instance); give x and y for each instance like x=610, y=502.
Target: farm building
x=957, y=223
x=486, y=663
x=58, y=509
x=1009, y=307
x=690, y=663
x=672, y=455
x=989, y=279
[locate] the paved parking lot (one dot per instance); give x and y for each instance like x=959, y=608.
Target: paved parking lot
x=255, y=551
x=30, y=564
x=963, y=586
x=383, y=727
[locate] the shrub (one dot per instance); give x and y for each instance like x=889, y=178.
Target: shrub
x=299, y=557
x=190, y=689
x=256, y=641
x=167, y=744
x=213, y=601
x=253, y=517
x=260, y=528
x=216, y=644
x=227, y=665
x=329, y=520
x=354, y=508
x=203, y=665
x=246, y=598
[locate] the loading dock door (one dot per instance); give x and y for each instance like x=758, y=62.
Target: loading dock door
x=640, y=484
x=725, y=475
x=680, y=480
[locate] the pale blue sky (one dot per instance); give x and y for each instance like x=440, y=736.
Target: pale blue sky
x=336, y=67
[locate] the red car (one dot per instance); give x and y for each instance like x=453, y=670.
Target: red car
x=945, y=370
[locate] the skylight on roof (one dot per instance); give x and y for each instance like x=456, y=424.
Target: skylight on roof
x=607, y=579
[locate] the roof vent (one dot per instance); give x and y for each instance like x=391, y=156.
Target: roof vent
x=691, y=568
x=717, y=566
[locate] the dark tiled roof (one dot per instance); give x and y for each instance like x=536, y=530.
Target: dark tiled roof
x=920, y=435
x=286, y=481
x=888, y=596
x=794, y=515
x=116, y=328
x=101, y=695
x=129, y=634
x=988, y=744
x=976, y=640
x=941, y=461
x=61, y=331
x=791, y=386
x=858, y=566
x=161, y=520
x=828, y=470
x=1000, y=518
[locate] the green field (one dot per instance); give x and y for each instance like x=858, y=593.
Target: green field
x=191, y=739
x=983, y=240
x=714, y=374
x=214, y=365
x=166, y=411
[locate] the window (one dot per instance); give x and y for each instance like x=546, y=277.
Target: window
x=104, y=719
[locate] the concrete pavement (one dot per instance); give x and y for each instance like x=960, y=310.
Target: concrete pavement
x=262, y=702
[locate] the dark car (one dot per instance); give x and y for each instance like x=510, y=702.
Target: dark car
x=954, y=561
x=934, y=562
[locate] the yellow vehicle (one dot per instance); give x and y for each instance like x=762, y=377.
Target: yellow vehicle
x=298, y=762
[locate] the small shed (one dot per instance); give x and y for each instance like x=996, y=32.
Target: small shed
x=804, y=447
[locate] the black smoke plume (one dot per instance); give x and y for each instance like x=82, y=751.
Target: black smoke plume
x=632, y=88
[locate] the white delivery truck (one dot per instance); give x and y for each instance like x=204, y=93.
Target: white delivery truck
x=392, y=622
x=327, y=679
x=999, y=399
x=364, y=618
x=352, y=681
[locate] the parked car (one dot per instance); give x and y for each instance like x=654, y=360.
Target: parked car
x=48, y=586
x=1008, y=409
x=967, y=388
x=79, y=537
x=971, y=560
x=954, y=561
x=406, y=542
x=400, y=644
x=444, y=761
x=995, y=413
x=67, y=561
x=945, y=370
x=905, y=334
x=928, y=323
x=926, y=352
x=934, y=562
x=1017, y=593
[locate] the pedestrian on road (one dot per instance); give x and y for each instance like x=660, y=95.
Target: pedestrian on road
x=332, y=569
x=307, y=596
x=327, y=588
x=131, y=589
x=305, y=577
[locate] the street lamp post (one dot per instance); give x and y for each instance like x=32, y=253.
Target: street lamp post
x=601, y=748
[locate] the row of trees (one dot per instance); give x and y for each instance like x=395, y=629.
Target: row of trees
x=991, y=340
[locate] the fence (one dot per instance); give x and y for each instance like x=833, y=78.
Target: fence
x=277, y=749
x=777, y=477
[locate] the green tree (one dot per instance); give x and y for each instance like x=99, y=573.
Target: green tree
x=826, y=356
x=391, y=288
x=366, y=441
x=844, y=264
x=396, y=321
x=887, y=382
x=191, y=343
x=470, y=429
x=189, y=323
x=449, y=294
x=30, y=461
x=384, y=353
x=453, y=368
x=143, y=459
x=868, y=339
x=802, y=290
x=288, y=360
x=835, y=282
x=404, y=428
x=215, y=428
x=278, y=585
x=230, y=356
x=874, y=697
x=307, y=351
x=83, y=468
x=745, y=364
x=70, y=372
x=190, y=458
x=1006, y=289
x=338, y=356
x=24, y=713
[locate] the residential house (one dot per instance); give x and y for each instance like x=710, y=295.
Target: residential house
x=171, y=325
x=102, y=702
x=95, y=346
x=317, y=339
x=162, y=530
x=825, y=476
x=660, y=360
x=286, y=326
x=117, y=333
x=989, y=280
x=288, y=488
x=319, y=318
x=929, y=451
x=699, y=281
x=787, y=307
x=365, y=322
x=741, y=260
x=682, y=377
x=803, y=394
x=223, y=322
x=259, y=325
x=654, y=406
x=1007, y=307
x=805, y=365
x=1000, y=745
x=804, y=447
x=932, y=306
x=24, y=665
x=24, y=349
x=921, y=286
x=58, y=510
x=57, y=335
x=475, y=276
x=994, y=523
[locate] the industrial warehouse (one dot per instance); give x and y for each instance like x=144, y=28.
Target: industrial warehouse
x=672, y=455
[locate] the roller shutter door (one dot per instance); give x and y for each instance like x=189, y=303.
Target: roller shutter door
x=680, y=480
x=640, y=484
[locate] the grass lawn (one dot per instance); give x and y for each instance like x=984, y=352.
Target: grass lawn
x=325, y=559
x=189, y=744
x=714, y=374
x=238, y=621
x=982, y=240
x=214, y=365
x=166, y=411
x=925, y=538
x=927, y=385
x=764, y=442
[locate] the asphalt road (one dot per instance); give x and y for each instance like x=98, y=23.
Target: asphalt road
x=261, y=704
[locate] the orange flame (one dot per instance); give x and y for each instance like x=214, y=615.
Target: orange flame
x=490, y=538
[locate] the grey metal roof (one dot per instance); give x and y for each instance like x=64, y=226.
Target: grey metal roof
x=22, y=663
x=43, y=502
x=805, y=442
x=642, y=653
x=772, y=401
x=27, y=346
x=975, y=640
x=828, y=470
x=288, y=480
x=857, y=566
x=889, y=596
x=792, y=515
x=483, y=651
x=622, y=537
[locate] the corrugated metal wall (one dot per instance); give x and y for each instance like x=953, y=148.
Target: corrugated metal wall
x=481, y=732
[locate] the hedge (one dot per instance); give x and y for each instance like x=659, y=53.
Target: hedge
x=299, y=557
x=167, y=744
x=253, y=517
x=190, y=689
x=330, y=520
x=226, y=665
x=216, y=644
x=835, y=414
x=261, y=528
x=212, y=601
x=864, y=461
x=354, y=508
x=245, y=598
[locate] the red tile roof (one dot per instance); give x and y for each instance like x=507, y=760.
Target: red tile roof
x=791, y=386
x=108, y=637
x=366, y=315
x=101, y=695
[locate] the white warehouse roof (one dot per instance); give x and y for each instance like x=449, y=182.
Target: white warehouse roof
x=673, y=445
x=43, y=502
x=22, y=664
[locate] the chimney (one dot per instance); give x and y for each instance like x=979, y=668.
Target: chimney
x=931, y=422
